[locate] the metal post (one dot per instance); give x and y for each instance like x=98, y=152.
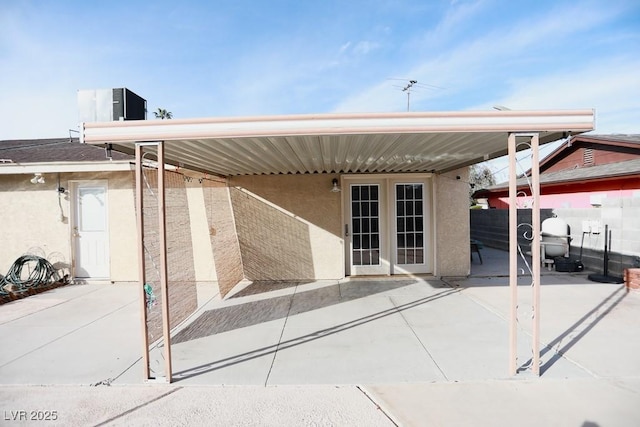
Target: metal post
x=162, y=231
x=513, y=256
x=535, y=250
x=141, y=263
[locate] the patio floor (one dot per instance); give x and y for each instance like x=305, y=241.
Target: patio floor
x=358, y=331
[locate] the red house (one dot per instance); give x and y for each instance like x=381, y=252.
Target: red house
x=580, y=174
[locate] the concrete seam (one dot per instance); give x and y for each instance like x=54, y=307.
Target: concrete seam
x=275, y=352
x=419, y=340
x=385, y=411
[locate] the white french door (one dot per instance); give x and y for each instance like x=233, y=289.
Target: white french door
x=388, y=225
x=90, y=230
x=368, y=243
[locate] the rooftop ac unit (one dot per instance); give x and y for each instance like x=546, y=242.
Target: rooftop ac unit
x=107, y=105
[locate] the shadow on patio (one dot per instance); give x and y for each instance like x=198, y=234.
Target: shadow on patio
x=315, y=299
x=265, y=309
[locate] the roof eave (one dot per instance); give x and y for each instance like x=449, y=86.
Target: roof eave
x=62, y=167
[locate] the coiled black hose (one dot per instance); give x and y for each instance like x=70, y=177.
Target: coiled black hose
x=41, y=273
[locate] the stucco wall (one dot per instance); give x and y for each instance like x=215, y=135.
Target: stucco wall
x=37, y=219
x=288, y=226
x=452, y=223
x=32, y=221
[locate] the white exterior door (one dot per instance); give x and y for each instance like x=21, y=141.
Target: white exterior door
x=90, y=230
x=409, y=244
x=368, y=243
x=388, y=225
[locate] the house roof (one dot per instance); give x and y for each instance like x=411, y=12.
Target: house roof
x=53, y=150
x=611, y=170
x=618, y=142
x=57, y=155
x=613, y=139
x=347, y=143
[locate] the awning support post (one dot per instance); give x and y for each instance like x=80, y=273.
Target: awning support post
x=513, y=257
x=141, y=262
x=535, y=251
x=162, y=237
x=162, y=231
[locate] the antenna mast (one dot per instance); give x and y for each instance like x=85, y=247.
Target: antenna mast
x=407, y=89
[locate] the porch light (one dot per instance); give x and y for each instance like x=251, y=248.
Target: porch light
x=335, y=188
x=37, y=179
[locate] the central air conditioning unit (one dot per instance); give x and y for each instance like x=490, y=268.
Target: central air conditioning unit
x=107, y=105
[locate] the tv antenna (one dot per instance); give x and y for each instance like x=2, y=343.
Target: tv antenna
x=413, y=84
x=407, y=89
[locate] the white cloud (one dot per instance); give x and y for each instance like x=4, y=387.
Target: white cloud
x=364, y=47
x=612, y=87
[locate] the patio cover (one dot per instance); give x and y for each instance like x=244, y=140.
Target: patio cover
x=347, y=143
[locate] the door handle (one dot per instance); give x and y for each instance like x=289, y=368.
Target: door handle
x=75, y=232
x=346, y=230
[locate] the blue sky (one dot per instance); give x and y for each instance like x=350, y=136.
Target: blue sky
x=241, y=57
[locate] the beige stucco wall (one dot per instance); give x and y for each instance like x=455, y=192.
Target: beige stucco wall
x=37, y=219
x=31, y=221
x=288, y=226
x=452, y=223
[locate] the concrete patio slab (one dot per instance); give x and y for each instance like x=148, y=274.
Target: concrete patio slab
x=169, y=405
x=583, y=402
x=420, y=345
x=88, y=335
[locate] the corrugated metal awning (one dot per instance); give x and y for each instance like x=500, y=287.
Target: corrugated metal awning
x=347, y=143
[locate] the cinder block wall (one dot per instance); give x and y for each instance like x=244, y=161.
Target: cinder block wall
x=620, y=214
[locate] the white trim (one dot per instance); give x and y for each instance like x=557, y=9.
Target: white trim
x=59, y=167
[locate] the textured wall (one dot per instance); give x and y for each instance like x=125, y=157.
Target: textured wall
x=452, y=223
x=30, y=220
x=305, y=196
x=288, y=227
x=35, y=218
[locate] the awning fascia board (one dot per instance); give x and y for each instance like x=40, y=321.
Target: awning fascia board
x=332, y=124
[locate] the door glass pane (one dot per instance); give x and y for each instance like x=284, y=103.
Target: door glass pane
x=365, y=224
x=374, y=209
x=410, y=224
x=92, y=213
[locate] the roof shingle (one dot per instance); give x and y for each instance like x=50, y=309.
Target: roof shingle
x=53, y=150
